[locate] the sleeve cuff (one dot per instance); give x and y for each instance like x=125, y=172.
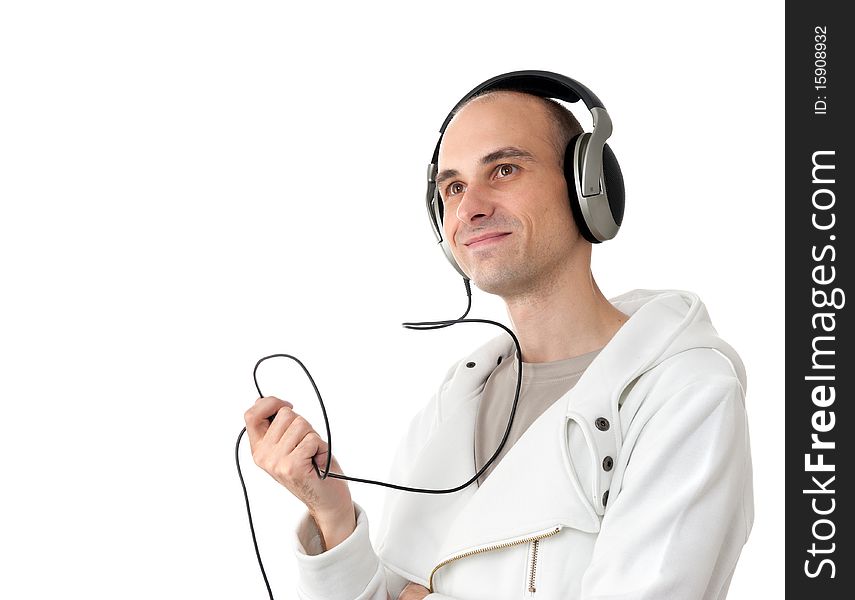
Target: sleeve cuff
x=345, y=571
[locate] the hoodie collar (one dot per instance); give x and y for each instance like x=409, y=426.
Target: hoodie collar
x=662, y=323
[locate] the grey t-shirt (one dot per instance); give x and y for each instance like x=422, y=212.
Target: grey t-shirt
x=542, y=384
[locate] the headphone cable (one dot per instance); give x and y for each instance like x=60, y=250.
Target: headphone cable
x=420, y=326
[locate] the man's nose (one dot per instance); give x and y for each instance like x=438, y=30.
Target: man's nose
x=476, y=203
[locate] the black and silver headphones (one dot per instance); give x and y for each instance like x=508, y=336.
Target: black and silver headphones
x=594, y=180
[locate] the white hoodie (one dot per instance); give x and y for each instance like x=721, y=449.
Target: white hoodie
x=634, y=485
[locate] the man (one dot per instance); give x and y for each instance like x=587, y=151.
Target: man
x=632, y=481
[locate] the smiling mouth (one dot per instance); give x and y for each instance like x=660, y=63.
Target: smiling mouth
x=493, y=239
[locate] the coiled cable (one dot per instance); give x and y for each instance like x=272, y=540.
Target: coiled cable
x=419, y=325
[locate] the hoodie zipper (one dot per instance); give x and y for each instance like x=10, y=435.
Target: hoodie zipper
x=526, y=540
x=533, y=569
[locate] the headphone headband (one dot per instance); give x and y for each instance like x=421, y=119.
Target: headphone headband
x=545, y=84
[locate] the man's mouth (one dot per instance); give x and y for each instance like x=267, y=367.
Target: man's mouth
x=485, y=239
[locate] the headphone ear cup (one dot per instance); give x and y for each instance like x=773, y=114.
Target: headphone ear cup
x=438, y=209
x=573, y=188
x=612, y=179
x=437, y=216
x=614, y=184
x=435, y=209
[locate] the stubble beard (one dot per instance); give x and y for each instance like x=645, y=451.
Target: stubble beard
x=517, y=275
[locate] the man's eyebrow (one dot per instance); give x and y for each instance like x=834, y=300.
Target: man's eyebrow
x=506, y=152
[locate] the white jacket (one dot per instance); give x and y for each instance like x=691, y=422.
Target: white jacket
x=655, y=503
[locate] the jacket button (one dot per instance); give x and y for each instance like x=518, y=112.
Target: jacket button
x=605, y=498
x=608, y=463
x=602, y=423
x=470, y=364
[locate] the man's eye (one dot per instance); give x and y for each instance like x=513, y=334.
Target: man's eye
x=455, y=188
x=506, y=169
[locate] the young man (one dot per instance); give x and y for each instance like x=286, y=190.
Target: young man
x=627, y=471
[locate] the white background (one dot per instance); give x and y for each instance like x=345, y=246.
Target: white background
x=189, y=186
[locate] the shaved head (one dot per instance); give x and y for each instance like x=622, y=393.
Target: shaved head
x=564, y=125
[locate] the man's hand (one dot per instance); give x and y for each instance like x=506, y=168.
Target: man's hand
x=413, y=591
x=284, y=448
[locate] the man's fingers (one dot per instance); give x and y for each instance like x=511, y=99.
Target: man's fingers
x=297, y=430
x=256, y=417
x=311, y=444
x=282, y=423
x=314, y=446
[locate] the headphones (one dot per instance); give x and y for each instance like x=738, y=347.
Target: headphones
x=594, y=181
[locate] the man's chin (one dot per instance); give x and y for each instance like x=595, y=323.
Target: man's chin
x=496, y=283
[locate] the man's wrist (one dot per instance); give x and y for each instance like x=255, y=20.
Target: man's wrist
x=335, y=528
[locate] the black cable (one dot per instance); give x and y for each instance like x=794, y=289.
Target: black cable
x=249, y=514
x=418, y=325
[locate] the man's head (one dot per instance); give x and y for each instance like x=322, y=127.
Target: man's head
x=501, y=174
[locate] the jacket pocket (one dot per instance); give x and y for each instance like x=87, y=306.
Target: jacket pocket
x=530, y=540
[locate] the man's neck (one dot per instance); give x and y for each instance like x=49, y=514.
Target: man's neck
x=567, y=318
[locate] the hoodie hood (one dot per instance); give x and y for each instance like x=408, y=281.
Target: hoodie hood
x=664, y=323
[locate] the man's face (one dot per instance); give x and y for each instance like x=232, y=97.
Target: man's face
x=499, y=176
